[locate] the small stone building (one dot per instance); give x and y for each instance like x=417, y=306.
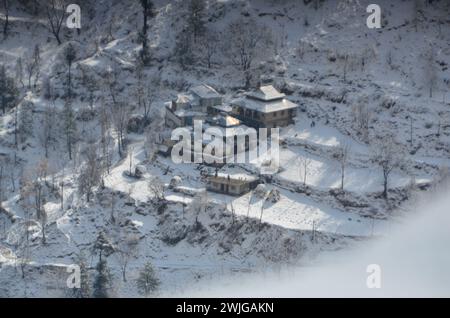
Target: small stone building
x=190, y=106
x=231, y=184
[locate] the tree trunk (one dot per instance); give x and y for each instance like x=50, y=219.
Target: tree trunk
x=124, y=271
x=69, y=93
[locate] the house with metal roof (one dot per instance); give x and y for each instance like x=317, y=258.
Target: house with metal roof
x=206, y=96
x=264, y=108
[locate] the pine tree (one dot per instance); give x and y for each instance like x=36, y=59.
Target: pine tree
x=102, y=283
x=102, y=245
x=25, y=120
x=70, y=127
x=148, y=12
x=37, y=63
x=70, y=55
x=147, y=282
x=9, y=93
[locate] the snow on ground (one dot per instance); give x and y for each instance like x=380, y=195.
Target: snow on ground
x=326, y=174
x=306, y=42
x=299, y=212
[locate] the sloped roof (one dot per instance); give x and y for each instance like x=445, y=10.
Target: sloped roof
x=265, y=106
x=184, y=99
x=242, y=177
x=266, y=93
x=225, y=121
x=223, y=108
x=205, y=91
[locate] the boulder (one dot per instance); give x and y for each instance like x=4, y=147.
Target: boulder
x=261, y=191
x=139, y=171
x=174, y=182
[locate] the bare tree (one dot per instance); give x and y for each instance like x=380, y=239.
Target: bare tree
x=361, y=117
x=90, y=174
x=263, y=204
x=56, y=13
x=43, y=223
x=247, y=43
x=199, y=204
x=30, y=69
x=144, y=94
x=70, y=127
x=19, y=72
x=342, y=155
x=47, y=131
x=417, y=13
x=112, y=82
x=105, y=139
x=6, y=5
x=152, y=137
x=157, y=189
x=387, y=155
x=40, y=172
x=304, y=164
x=127, y=248
x=2, y=187
x=196, y=18
x=24, y=249
x=430, y=70
x=120, y=115
x=209, y=45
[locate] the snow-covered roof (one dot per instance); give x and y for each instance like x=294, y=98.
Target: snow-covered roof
x=184, y=99
x=205, y=91
x=225, y=121
x=189, y=113
x=266, y=93
x=223, y=108
x=265, y=106
x=233, y=176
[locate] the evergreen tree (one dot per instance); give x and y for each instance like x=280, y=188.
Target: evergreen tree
x=70, y=55
x=25, y=120
x=147, y=282
x=103, y=245
x=9, y=94
x=148, y=12
x=102, y=283
x=70, y=127
x=37, y=63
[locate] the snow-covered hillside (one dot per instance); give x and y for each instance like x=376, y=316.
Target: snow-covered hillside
x=87, y=114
